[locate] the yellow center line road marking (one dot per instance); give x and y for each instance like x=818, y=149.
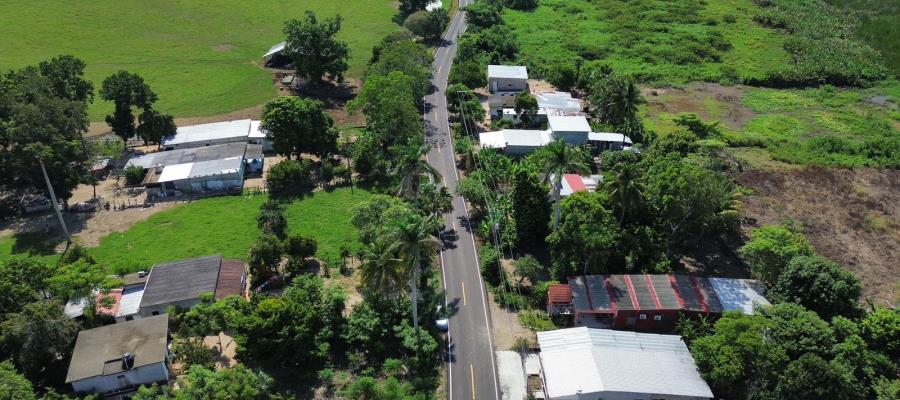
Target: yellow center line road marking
x=463, y=285
x=472, y=370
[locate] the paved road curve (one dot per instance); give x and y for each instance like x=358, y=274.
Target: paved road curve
x=471, y=372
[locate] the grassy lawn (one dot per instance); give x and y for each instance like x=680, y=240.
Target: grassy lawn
x=659, y=41
x=201, y=58
x=225, y=225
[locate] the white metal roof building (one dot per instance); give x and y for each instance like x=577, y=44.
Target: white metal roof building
x=568, y=123
x=582, y=363
x=208, y=134
x=557, y=103
x=507, y=72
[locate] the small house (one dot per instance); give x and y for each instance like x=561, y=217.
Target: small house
x=507, y=78
x=180, y=283
x=116, y=359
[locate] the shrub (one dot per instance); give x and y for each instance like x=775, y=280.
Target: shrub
x=818, y=284
x=134, y=175
x=490, y=264
x=536, y=320
x=771, y=248
x=290, y=177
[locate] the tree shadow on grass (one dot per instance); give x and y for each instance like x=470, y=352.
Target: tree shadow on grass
x=34, y=243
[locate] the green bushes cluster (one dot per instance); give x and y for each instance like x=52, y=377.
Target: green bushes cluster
x=822, y=44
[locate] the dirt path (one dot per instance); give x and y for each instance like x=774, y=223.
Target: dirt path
x=851, y=216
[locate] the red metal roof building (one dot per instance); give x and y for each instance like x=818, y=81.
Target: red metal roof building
x=649, y=302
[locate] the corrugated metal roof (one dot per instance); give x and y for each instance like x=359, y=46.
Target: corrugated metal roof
x=559, y=294
x=608, y=137
x=492, y=140
x=598, y=293
x=216, y=167
x=621, y=292
x=507, y=71
x=181, y=280
x=591, y=362
x=130, y=301
x=568, y=123
x=255, y=131
x=194, y=154
x=579, y=295
x=561, y=101
x=275, y=49
x=231, y=279
x=738, y=294
x=209, y=132
x=525, y=137
x=175, y=172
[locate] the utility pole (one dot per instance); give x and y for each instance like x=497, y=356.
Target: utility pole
x=55, y=204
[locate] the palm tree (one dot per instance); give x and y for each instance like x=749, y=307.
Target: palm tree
x=414, y=240
x=411, y=166
x=557, y=159
x=381, y=270
x=616, y=100
x=625, y=190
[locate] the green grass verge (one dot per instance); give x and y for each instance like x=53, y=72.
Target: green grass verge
x=201, y=58
x=222, y=225
x=660, y=42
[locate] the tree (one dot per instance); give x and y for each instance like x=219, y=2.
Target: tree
x=797, y=330
x=296, y=126
x=531, y=209
x=39, y=338
x=770, y=248
x=14, y=386
x=368, y=388
x=315, y=50
x=412, y=6
x=586, y=238
x=526, y=108
x=78, y=280
x=264, y=257
x=881, y=329
x=374, y=218
x=680, y=141
x=271, y=219
x=418, y=23
x=695, y=125
x=126, y=90
x=483, y=14
x=406, y=56
x=133, y=175
x=412, y=167
x=625, y=190
x=555, y=160
x=374, y=324
x=438, y=19
x=463, y=102
x=818, y=284
x=237, y=382
x=300, y=247
x=434, y=200
x=190, y=351
x=811, y=378
x=414, y=241
x=155, y=126
x=381, y=270
x=614, y=100
x=43, y=114
x=528, y=267
x=690, y=201
x=738, y=358
x=290, y=177
x=468, y=72
x=297, y=329
x=22, y=282
x=389, y=106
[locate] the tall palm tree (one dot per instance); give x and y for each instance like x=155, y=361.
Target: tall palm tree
x=414, y=240
x=381, y=270
x=625, y=190
x=411, y=167
x=557, y=159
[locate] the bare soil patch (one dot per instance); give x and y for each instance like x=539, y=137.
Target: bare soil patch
x=505, y=326
x=851, y=216
x=710, y=101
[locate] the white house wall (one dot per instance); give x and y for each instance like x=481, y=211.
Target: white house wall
x=144, y=375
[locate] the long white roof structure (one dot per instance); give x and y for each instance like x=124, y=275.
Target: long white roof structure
x=507, y=71
x=583, y=363
x=209, y=132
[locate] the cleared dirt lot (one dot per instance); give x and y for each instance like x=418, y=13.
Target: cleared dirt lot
x=851, y=216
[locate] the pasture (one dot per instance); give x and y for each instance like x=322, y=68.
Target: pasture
x=201, y=58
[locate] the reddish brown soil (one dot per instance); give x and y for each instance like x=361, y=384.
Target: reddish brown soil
x=851, y=216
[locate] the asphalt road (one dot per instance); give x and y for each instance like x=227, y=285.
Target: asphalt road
x=470, y=354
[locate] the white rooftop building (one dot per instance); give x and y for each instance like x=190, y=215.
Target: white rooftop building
x=242, y=130
x=507, y=78
x=573, y=129
x=582, y=363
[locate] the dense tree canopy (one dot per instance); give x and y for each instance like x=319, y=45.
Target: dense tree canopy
x=127, y=91
x=410, y=58
x=586, y=237
x=14, y=386
x=771, y=248
x=316, y=52
x=389, y=106
x=296, y=126
x=39, y=338
x=818, y=284
x=531, y=209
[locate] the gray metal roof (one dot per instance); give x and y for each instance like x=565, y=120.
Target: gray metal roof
x=184, y=156
x=562, y=101
x=98, y=351
x=181, y=280
x=216, y=167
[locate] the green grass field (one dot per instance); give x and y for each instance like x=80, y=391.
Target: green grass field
x=201, y=57
x=224, y=225
x=660, y=42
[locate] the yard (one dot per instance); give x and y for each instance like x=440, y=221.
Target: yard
x=201, y=58
x=223, y=225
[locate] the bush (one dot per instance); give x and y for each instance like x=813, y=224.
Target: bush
x=490, y=264
x=290, y=177
x=771, y=248
x=469, y=72
x=818, y=284
x=536, y=320
x=264, y=257
x=134, y=175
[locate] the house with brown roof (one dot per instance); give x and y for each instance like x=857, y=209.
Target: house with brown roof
x=118, y=358
x=649, y=302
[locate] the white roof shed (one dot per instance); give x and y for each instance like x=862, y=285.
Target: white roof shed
x=209, y=132
x=583, y=363
x=507, y=72
x=568, y=123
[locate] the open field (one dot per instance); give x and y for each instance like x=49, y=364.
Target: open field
x=201, y=58
x=225, y=225
x=849, y=215
x=823, y=126
x=658, y=41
